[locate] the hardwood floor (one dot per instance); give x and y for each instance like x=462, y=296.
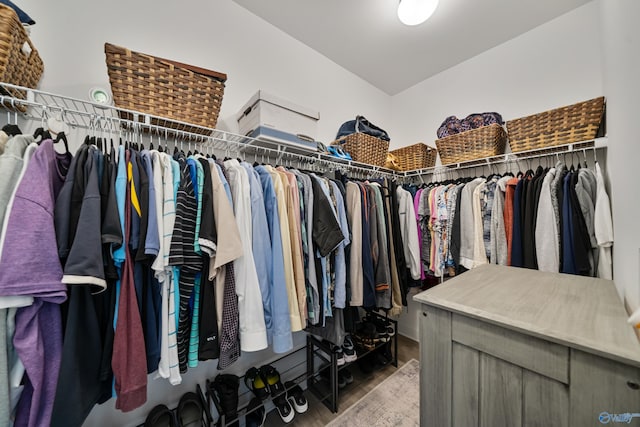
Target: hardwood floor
x=319, y=415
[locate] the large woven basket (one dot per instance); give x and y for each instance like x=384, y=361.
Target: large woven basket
x=485, y=141
x=574, y=123
x=365, y=148
x=416, y=156
x=20, y=63
x=165, y=88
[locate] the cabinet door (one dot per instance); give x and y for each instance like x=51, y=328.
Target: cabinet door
x=465, y=383
x=601, y=386
x=546, y=402
x=435, y=364
x=500, y=393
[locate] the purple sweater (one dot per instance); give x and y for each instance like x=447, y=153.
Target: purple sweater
x=29, y=265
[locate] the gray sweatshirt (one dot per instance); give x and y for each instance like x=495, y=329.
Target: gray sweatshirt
x=10, y=167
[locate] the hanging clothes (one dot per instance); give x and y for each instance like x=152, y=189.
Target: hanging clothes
x=280, y=331
x=29, y=229
x=546, y=232
x=603, y=227
x=253, y=333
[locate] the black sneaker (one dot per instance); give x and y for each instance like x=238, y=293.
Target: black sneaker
x=326, y=373
x=349, y=350
x=340, y=354
x=284, y=408
x=342, y=380
x=296, y=398
x=348, y=376
x=256, y=415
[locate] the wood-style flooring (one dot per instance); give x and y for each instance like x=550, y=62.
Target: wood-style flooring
x=319, y=415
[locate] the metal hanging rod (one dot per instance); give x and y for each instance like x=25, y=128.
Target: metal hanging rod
x=576, y=147
x=88, y=115
x=78, y=113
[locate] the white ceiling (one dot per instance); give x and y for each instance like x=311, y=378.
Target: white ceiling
x=366, y=37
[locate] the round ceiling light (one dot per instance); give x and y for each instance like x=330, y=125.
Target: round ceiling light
x=415, y=12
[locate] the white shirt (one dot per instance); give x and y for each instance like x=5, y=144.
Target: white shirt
x=467, y=236
x=603, y=227
x=546, y=229
x=253, y=332
x=168, y=366
x=409, y=232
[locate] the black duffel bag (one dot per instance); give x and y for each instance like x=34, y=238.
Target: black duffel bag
x=360, y=124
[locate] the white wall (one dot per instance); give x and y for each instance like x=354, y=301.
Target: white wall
x=555, y=64
x=621, y=68
x=214, y=34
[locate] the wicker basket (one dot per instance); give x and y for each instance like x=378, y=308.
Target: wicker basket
x=165, y=88
x=16, y=66
x=474, y=144
x=416, y=156
x=365, y=148
x=574, y=123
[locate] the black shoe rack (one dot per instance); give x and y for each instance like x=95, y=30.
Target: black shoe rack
x=328, y=394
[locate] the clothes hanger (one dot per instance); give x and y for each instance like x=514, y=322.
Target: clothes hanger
x=62, y=137
x=42, y=134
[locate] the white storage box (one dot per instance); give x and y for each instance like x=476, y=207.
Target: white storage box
x=277, y=119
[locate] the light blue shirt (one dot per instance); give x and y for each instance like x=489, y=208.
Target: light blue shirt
x=280, y=331
x=261, y=246
x=340, y=267
x=152, y=241
x=121, y=194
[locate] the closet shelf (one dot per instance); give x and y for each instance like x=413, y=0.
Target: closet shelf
x=557, y=150
x=82, y=114
x=108, y=119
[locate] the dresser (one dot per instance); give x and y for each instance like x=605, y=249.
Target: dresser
x=505, y=346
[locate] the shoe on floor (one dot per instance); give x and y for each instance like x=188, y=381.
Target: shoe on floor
x=347, y=375
x=296, y=398
x=160, y=416
x=190, y=411
x=256, y=414
x=284, y=408
x=326, y=374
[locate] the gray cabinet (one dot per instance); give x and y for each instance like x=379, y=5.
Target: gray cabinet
x=491, y=357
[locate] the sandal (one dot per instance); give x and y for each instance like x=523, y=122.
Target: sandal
x=255, y=382
x=160, y=415
x=190, y=411
x=272, y=378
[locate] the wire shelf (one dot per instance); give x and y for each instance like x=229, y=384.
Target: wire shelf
x=110, y=119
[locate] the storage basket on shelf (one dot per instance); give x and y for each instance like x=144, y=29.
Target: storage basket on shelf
x=164, y=88
x=573, y=123
x=416, y=156
x=20, y=63
x=485, y=141
x=364, y=148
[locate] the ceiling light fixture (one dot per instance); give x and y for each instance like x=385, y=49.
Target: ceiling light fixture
x=415, y=12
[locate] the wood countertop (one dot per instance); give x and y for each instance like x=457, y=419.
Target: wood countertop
x=580, y=312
